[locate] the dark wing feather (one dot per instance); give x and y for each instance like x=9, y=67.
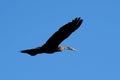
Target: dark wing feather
x=62, y=33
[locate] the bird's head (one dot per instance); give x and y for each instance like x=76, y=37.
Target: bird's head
x=61, y=48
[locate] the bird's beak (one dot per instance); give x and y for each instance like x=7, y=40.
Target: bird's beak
x=73, y=49
x=70, y=48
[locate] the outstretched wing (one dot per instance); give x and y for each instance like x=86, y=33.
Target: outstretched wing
x=63, y=33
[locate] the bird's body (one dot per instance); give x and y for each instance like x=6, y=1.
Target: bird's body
x=52, y=44
x=43, y=50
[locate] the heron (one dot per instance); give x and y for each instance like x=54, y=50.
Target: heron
x=52, y=44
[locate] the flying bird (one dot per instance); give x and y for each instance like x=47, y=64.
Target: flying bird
x=52, y=44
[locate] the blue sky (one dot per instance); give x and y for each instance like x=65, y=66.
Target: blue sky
x=29, y=23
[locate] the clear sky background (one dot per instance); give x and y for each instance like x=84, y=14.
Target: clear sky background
x=27, y=24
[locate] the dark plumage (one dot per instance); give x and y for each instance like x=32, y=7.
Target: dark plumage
x=52, y=44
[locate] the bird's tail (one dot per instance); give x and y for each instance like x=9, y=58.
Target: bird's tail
x=31, y=52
